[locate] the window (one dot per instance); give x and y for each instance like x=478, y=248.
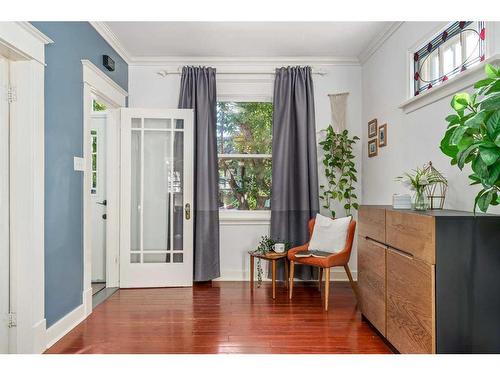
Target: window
x=244, y=142
x=93, y=140
x=460, y=46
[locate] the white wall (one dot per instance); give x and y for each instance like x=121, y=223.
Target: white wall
x=148, y=89
x=413, y=139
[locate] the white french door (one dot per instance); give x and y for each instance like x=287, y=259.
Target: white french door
x=4, y=206
x=156, y=241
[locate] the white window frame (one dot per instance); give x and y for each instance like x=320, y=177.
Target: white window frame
x=458, y=82
x=244, y=217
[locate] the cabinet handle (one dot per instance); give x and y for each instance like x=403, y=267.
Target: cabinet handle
x=402, y=253
x=376, y=243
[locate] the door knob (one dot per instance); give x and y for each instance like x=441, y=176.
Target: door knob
x=103, y=203
x=104, y=216
x=187, y=211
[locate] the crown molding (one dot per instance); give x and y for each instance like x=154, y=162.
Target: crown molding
x=110, y=37
x=35, y=32
x=238, y=61
x=378, y=41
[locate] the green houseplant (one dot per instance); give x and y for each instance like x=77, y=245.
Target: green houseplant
x=473, y=136
x=266, y=245
x=340, y=171
x=417, y=181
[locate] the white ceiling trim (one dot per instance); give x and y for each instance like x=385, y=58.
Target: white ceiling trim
x=161, y=61
x=378, y=41
x=110, y=37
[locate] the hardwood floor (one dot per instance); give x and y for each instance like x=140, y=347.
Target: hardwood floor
x=224, y=317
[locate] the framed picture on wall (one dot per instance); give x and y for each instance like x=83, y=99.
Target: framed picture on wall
x=372, y=148
x=382, y=135
x=372, y=128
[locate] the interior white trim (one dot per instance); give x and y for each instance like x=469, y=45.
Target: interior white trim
x=26, y=49
x=95, y=82
x=461, y=81
x=101, y=82
x=162, y=61
x=60, y=328
x=378, y=41
x=336, y=274
x=236, y=217
x=35, y=32
x=110, y=37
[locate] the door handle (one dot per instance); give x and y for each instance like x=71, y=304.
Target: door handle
x=187, y=211
x=103, y=203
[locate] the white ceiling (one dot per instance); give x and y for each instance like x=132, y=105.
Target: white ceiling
x=247, y=39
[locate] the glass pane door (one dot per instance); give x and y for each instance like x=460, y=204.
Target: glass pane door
x=159, y=246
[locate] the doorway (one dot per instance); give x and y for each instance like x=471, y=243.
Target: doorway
x=4, y=206
x=98, y=194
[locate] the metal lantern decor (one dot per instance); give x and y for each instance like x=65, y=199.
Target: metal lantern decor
x=436, y=192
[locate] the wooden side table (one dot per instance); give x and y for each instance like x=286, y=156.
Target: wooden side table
x=273, y=258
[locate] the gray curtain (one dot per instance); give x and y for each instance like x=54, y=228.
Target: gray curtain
x=198, y=92
x=295, y=171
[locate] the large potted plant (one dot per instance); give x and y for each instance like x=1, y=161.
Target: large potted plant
x=473, y=136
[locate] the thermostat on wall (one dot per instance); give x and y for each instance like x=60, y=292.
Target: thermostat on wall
x=108, y=63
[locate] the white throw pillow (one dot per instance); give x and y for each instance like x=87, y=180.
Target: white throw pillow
x=329, y=234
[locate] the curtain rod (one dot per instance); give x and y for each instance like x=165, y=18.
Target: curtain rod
x=164, y=73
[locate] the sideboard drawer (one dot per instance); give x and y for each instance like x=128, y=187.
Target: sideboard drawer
x=412, y=233
x=371, y=281
x=372, y=222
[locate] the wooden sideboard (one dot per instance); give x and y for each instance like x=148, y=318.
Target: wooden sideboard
x=429, y=282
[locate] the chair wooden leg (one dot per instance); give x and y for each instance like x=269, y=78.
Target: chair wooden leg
x=327, y=287
x=287, y=277
x=292, y=266
x=351, y=281
x=320, y=278
x=274, y=277
x=251, y=271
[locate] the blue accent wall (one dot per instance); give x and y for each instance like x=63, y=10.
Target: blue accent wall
x=73, y=41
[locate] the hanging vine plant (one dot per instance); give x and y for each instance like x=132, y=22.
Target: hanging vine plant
x=340, y=171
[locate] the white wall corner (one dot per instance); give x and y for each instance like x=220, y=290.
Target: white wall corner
x=378, y=41
x=111, y=38
x=59, y=329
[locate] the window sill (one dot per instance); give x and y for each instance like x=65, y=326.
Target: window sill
x=450, y=87
x=235, y=217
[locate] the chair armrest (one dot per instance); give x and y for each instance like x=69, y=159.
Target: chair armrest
x=295, y=250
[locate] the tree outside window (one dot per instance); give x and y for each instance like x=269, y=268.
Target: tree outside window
x=244, y=143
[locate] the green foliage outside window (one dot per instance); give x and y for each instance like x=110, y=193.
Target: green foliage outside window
x=244, y=129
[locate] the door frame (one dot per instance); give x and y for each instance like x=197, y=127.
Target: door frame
x=24, y=46
x=97, y=84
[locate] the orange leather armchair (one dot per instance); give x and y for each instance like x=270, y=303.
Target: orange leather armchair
x=335, y=260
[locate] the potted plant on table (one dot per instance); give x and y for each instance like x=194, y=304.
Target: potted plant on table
x=418, y=180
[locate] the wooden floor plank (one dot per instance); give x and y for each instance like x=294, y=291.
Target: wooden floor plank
x=224, y=317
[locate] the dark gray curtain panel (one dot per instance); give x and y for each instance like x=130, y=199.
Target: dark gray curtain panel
x=295, y=197
x=198, y=91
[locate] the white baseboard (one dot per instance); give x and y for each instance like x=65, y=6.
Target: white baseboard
x=39, y=336
x=336, y=274
x=87, y=301
x=56, y=331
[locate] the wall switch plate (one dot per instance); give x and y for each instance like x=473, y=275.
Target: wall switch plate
x=78, y=164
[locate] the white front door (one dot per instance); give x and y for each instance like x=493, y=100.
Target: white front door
x=156, y=241
x=98, y=195
x=4, y=206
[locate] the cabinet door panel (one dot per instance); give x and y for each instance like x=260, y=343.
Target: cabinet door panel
x=413, y=233
x=372, y=222
x=371, y=281
x=410, y=303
